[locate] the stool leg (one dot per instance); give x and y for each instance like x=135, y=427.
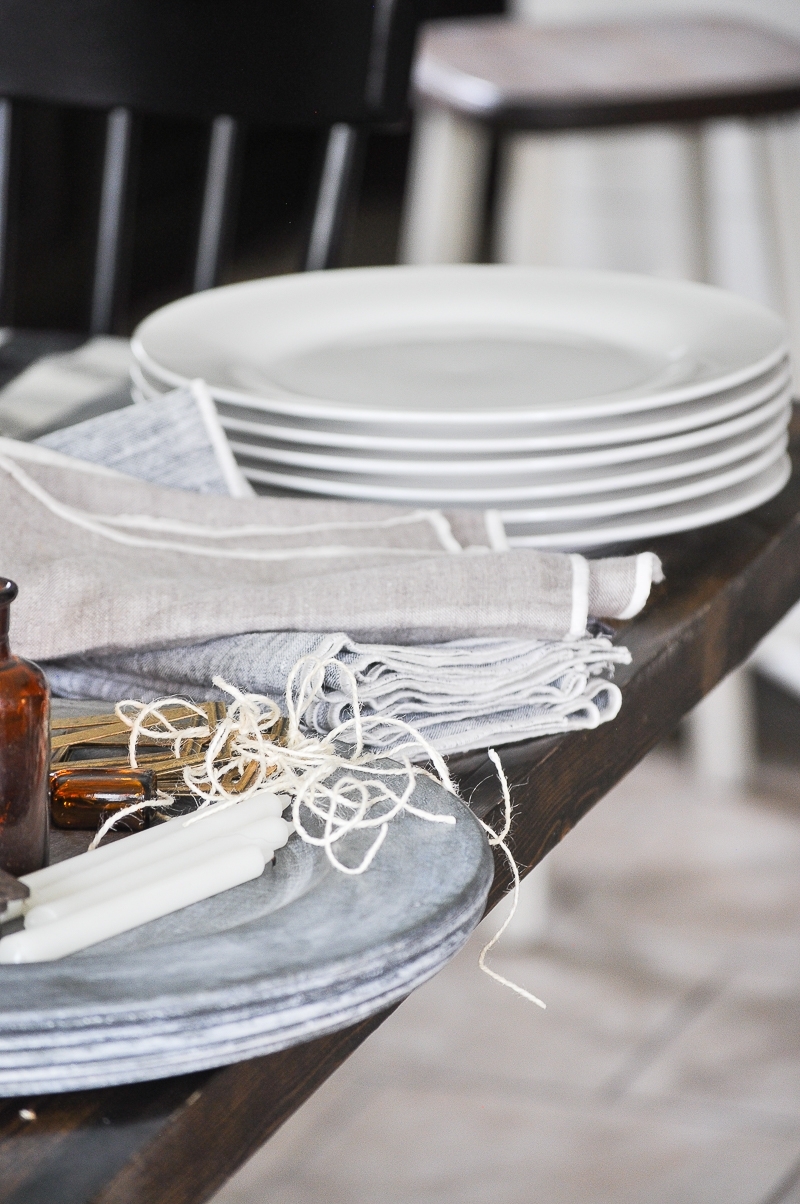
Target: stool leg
x=625, y=200
x=722, y=731
x=777, y=657
x=526, y=221
x=782, y=139
x=742, y=255
x=445, y=194
x=695, y=210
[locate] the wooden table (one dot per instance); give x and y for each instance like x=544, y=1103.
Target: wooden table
x=177, y=1140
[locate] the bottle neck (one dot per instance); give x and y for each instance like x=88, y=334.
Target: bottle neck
x=5, y=615
x=8, y=592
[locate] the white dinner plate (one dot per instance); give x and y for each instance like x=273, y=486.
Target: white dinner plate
x=637, y=494
x=461, y=345
x=630, y=528
x=254, y=419
x=558, y=465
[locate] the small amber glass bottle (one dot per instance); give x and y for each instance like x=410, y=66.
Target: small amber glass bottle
x=85, y=798
x=24, y=754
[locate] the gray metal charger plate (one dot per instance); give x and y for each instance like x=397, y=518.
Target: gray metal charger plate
x=301, y=951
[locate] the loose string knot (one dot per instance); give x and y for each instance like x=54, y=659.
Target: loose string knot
x=251, y=748
x=331, y=794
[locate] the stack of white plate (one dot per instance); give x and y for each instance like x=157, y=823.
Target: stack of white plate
x=586, y=408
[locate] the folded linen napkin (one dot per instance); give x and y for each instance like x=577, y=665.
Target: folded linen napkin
x=164, y=589
x=137, y=566
x=462, y=694
x=178, y=442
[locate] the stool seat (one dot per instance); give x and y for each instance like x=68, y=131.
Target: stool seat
x=525, y=76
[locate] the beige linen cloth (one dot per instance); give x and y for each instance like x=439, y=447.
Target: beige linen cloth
x=105, y=563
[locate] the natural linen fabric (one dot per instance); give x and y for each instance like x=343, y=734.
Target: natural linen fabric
x=178, y=442
x=106, y=563
x=459, y=695
x=130, y=589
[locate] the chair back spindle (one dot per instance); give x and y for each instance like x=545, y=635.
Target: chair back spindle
x=116, y=167
x=338, y=182
x=5, y=177
x=339, y=66
x=217, y=199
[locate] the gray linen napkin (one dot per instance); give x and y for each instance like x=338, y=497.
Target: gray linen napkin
x=462, y=694
x=164, y=589
x=178, y=442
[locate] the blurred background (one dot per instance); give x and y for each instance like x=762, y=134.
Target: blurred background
x=610, y=200
x=665, y=936
x=58, y=163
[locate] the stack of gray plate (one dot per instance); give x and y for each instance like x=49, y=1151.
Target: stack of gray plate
x=300, y=951
x=584, y=407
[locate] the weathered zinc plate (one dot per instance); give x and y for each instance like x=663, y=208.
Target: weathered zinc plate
x=302, y=950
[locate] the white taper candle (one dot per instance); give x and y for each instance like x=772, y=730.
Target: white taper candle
x=150, y=902
x=142, y=848
x=255, y=807
x=267, y=834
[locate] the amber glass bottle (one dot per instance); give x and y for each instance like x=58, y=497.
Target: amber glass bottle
x=84, y=798
x=24, y=753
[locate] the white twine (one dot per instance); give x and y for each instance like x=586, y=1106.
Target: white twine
x=498, y=839
x=357, y=792
x=367, y=793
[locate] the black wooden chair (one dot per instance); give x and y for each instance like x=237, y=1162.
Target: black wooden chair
x=340, y=65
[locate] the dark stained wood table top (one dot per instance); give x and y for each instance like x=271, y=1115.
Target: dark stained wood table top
x=549, y=77
x=175, y=1141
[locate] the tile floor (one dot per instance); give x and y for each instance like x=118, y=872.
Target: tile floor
x=666, y=1069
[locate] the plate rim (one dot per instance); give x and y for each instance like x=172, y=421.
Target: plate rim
x=394, y=472
x=744, y=397
x=73, y=1009
x=307, y=407
x=774, y=480
x=146, y=1065
x=453, y=498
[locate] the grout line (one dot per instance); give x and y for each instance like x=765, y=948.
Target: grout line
x=696, y=1000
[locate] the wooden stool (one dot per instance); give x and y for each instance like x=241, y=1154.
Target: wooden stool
x=479, y=78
